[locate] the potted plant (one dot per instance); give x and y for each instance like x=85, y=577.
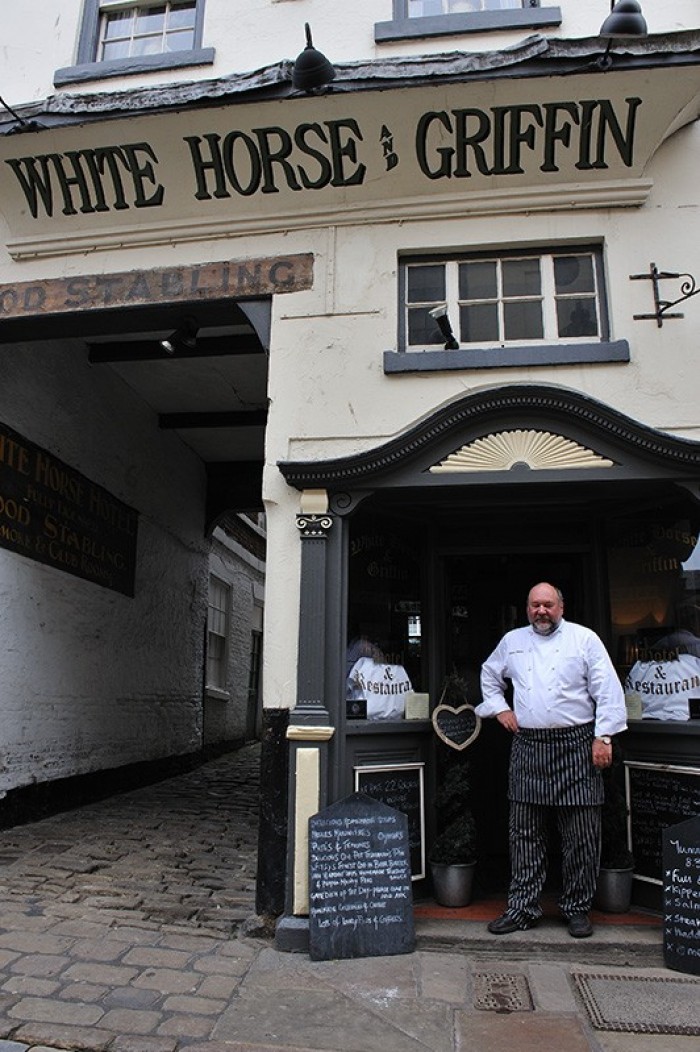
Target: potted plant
x=453, y=854
x=614, y=887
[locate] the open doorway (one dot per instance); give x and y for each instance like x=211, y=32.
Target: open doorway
x=484, y=595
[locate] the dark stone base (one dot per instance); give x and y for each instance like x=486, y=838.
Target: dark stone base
x=33, y=802
x=292, y=934
x=274, y=795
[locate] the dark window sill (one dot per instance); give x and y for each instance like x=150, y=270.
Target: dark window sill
x=126, y=66
x=477, y=22
x=505, y=357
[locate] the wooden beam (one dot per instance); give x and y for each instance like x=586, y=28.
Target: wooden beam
x=236, y=418
x=151, y=351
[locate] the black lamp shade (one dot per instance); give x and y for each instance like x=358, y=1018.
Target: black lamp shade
x=625, y=20
x=312, y=69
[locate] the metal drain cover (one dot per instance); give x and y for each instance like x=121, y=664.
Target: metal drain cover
x=501, y=992
x=641, y=1004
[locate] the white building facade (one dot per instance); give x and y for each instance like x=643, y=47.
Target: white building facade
x=500, y=162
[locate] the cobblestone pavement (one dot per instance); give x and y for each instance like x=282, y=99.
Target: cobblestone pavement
x=116, y=918
x=128, y=926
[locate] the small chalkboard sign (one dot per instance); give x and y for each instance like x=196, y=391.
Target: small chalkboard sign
x=400, y=786
x=681, y=857
x=458, y=727
x=658, y=795
x=360, y=898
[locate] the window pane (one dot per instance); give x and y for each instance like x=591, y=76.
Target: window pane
x=477, y=281
x=181, y=41
x=150, y=20
x=147, y=46
x=478, y=323
x=521, y=277
x=118, y=49
x=181, y=16
x=117, y=25
x=577, y=317
x=422, y=329
x=523, y=320
x=574, y=274
x=426, y=284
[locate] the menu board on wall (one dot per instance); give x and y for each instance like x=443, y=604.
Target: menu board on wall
x=400, y=786
x=658, y=796
x=682, y=896
x=54, y=515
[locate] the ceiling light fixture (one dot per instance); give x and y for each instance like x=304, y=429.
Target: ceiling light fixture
x=183, y=338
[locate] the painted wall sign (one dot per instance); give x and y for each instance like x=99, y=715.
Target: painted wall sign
x=54, y=515
x=244, y=166
x=233, y=278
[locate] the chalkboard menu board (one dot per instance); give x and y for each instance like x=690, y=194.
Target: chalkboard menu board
x=658, y=796
x=360, y=898
x=400, y=786
x=681, y=855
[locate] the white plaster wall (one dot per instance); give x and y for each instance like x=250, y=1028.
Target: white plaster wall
x=40, y=36
x=92, y=679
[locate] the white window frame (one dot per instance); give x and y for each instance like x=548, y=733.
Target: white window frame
x=530, y=16
x=550, y=349
x=108, y=7
x=218, y=626
x=547, y=296
x=88, y=66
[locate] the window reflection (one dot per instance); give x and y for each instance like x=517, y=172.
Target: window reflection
x=654, y=570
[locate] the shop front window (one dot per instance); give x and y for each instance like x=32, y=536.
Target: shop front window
x=654, y=574
x=384, y=656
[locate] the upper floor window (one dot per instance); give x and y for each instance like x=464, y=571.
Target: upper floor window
x=432, y=18
x=422, y=8
x=218, y=632
x=145, y=28
x=513, y=307
x=506, y=299
x=121, y=37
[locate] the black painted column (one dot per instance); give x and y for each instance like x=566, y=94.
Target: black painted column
x=310, y=729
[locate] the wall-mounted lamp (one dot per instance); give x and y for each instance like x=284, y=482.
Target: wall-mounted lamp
x=183, y=339
x=312, y=70
x=625, y=20
x=688, y=289
x=439, y=314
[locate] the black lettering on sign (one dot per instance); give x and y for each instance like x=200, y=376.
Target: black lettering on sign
x=54, y=515
x=400, y=786
x=360, y=897
x=681, y=858
x=658, y=796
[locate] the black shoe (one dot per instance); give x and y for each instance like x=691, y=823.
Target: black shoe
x=505, y=925
x=580, y=926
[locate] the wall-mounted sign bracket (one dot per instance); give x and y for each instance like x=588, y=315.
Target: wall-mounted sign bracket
x=661, y=306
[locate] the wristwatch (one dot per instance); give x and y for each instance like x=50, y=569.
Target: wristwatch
x=605, y=739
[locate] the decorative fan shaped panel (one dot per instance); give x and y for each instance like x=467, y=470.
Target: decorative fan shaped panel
x=538, y=450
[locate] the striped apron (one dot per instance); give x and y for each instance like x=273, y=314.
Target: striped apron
x=554, y=767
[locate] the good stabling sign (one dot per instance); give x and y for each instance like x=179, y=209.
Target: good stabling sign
x=51, y=513
x=400, y=786
x=681, y=857
x=360, y=899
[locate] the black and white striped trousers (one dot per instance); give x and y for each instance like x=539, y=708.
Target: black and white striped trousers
x=579, y=831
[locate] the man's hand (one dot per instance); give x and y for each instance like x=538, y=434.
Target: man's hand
x=602, y=753
x=507, y=719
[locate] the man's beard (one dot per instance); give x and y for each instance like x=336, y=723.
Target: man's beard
x=545, y=627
